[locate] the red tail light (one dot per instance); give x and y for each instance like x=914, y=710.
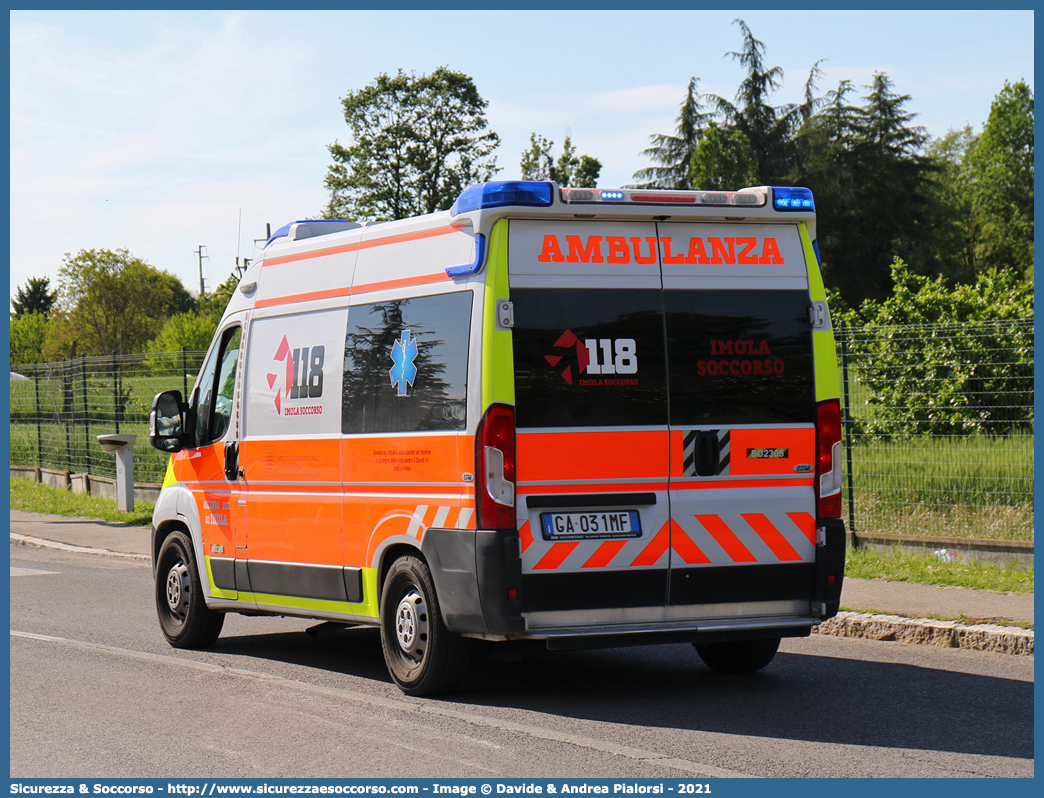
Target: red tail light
x=828, y=458
x=495, y=463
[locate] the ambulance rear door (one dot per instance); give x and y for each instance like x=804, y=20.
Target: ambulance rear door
x=741, y=389
x=591, y=421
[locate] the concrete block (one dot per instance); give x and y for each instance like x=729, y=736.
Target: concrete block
x=54, y=479
x=925, y=631
x=31, y=473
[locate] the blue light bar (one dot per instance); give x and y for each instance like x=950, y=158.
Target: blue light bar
x=282, y=231
x=793, y=199
x=499, y=193
x=313, y=228
x=612, y=195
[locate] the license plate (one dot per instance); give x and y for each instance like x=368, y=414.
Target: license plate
x=595, y=524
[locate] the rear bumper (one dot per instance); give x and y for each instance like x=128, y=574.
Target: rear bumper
x=707, y=632
x=481, y=589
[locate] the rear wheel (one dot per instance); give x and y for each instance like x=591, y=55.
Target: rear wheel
x=184, y=616
x=423, y=656
x=738, y=656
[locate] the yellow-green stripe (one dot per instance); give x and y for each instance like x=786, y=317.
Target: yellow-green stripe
x=828, y=386
x=498, y=365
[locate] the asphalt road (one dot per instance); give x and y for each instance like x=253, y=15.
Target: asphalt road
x=96, y=692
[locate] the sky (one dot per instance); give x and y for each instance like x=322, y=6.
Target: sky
x=162, y=131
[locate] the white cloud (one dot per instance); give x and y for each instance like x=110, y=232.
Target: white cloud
x=636, y=100
x=144, y=148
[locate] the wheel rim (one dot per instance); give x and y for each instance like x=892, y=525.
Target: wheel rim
x=411, y=626
x=178, y=589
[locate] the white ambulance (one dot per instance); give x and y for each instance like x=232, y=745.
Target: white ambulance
x=583, y=416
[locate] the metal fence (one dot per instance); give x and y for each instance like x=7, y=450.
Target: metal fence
x=938, y=423
x=58, y=409
x=938, y=428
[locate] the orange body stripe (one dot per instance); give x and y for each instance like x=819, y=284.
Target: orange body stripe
x=806, y=523
x=375, y=242
x=726, y=538
x=555, y=556
x=525, y=535
x=627, y=454
x=685, y=546
x=349, y=291
x=657, y=546
x=604, y=554
x=773, y=537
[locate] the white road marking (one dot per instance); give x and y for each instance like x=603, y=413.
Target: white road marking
x=15, y=571
x=414, y=705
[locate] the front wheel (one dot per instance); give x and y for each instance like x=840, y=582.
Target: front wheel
x=184, y=617
x=738, y=656
x=423, y=656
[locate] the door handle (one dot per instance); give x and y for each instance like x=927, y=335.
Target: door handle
x=232, y=472
x=707, y=453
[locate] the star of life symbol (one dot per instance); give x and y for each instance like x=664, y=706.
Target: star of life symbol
x=403, y=373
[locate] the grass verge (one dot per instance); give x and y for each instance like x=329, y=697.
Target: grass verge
x=31, y=497
x=898, y=566
x=978, y=486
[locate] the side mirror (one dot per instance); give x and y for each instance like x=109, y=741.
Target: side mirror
x=168, y=422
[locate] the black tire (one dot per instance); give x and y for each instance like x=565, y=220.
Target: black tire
x=184, y=617
x=423, y=657
x=738, y=656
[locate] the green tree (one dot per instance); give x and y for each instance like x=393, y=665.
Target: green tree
x=192, y=330
x=214, y=303
x=673, y=154
x=417, y=143
x=947, y=361
x=769, y=129
x=112, y=301
x=872, y=189
x=821, y=147
x=28, y=334
x=723, y=161
x=1000, y=180
x=949, y=209
x=36, y=297
x=538, y=163
x=181, y=301
x=189, y=330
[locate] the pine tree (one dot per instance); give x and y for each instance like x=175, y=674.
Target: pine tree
x=674, y=153
x=35, y=297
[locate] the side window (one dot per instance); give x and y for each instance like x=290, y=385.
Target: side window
x=406, y=365
x=216, y=389
x=589, y=357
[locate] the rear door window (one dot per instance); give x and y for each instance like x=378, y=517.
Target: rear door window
x=589, y=357
x=739, y=357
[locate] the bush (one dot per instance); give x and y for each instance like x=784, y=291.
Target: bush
x=946, y=361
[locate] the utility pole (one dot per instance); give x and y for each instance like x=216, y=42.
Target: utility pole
x=242, y=268
x=199, y=252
